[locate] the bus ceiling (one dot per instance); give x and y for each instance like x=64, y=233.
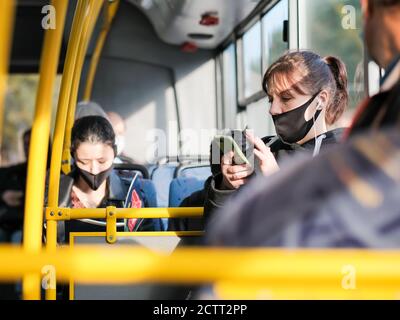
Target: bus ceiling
x=190, y=24
x=206, y=23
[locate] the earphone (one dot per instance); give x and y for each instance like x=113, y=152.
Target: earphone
x=319, y=105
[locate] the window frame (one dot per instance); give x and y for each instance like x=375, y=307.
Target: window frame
x=236, y=37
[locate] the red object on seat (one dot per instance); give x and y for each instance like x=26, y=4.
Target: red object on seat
x=189, y=47
x=135, y=203
x=209, y=19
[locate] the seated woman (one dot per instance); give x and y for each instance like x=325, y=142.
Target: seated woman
x=92, y=183
x=307, y=93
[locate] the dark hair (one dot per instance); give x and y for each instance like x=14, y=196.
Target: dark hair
x=92, y=129
x=316, y=73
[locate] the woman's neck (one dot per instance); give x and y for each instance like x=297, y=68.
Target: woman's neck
x=316, y=130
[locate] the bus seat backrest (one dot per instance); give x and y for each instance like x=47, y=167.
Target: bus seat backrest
x=182, y=187
x=201, y=172
x=161, y=178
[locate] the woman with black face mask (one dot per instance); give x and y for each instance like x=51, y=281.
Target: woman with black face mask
x=307, y=94
x=92, y=183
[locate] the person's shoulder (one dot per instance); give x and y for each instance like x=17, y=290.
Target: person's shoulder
x=276, y=145
x=196, y=199
x=334, y=135
x=71, y=176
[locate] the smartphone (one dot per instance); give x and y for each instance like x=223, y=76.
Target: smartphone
x=226, y=144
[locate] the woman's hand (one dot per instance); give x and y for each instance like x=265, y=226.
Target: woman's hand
x=234, y=176
x=267, y=161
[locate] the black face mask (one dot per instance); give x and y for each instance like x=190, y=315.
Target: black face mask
x=291, y=126
x=94, y=181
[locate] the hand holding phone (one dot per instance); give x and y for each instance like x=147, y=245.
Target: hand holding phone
x=227, y=144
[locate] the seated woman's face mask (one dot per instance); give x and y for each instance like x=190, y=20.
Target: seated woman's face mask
x=94, y=163
x=94, y=181
x=291, y=126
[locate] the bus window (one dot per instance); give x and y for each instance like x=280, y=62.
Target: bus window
x=229, y=86
x=334, y=28
x=18, y=115
x=272, y=33
x=251, y=61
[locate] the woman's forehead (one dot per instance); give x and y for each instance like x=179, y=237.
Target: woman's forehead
x=286, y=82
x=93, y=149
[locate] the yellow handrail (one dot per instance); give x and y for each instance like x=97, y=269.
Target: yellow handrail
x=87, y=31
x=109, y=14
x=65, y=90
x=86, y=14
x=58, y=137
x=84, y=11
x=7, y=15
x=38, y=150
x=110, y=11
x=269, y=273
x=60, y=214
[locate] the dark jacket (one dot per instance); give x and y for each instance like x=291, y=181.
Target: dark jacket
x=12, y=178
x=381, y=110
x=117, y=191
x=216, y=198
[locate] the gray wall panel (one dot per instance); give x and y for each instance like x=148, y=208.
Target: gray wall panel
x=134, y=79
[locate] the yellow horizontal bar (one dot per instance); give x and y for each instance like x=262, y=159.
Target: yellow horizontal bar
x=122, y=213
x=243, y=291
x=286, y=268
x=141, y=234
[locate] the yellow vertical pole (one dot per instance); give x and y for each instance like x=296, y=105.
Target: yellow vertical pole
x=110, y=10
x=7, y=14
x=51, y=230
x=38, y=150
x=85, y=18
x=66, y=84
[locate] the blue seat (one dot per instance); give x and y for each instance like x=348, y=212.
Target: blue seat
x=149, y=190
x=162, y=177
x=182, y=187
x=200, y=172
x=150, y=168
